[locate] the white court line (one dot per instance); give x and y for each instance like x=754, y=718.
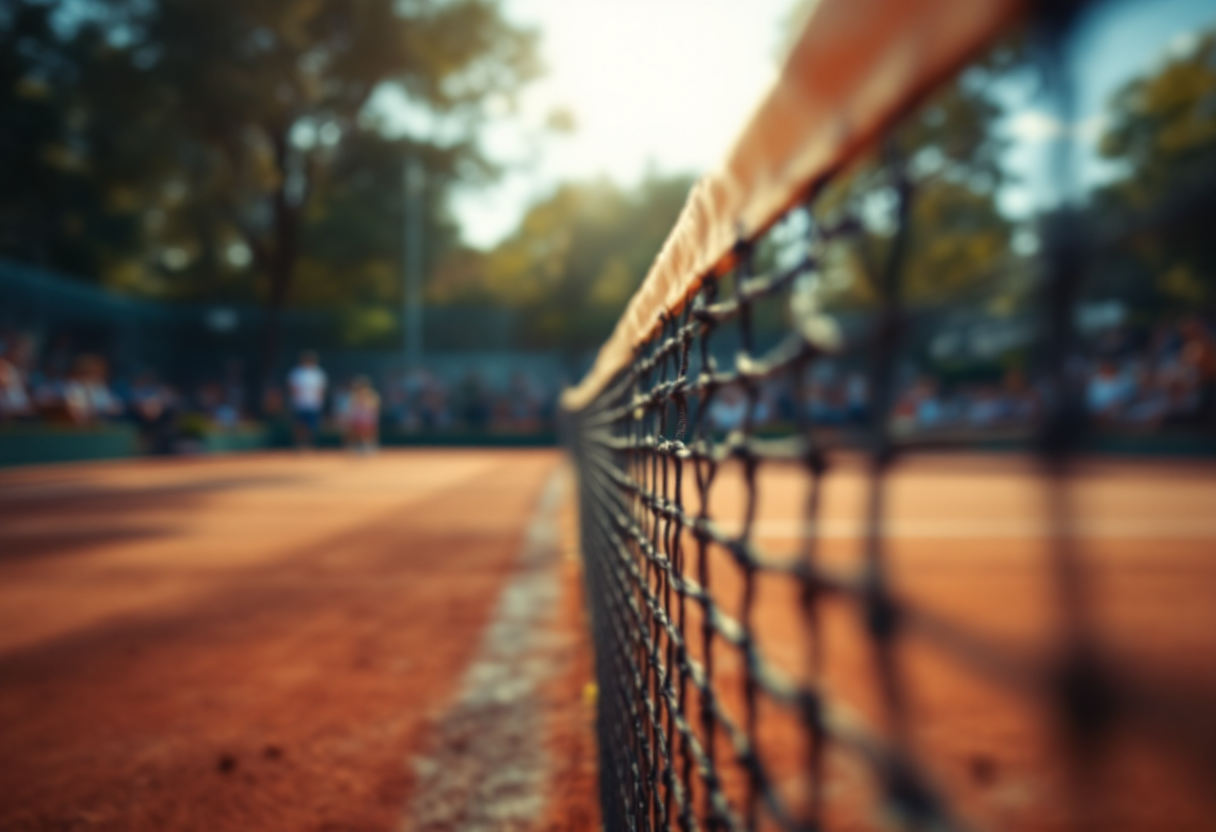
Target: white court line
x=486, y=770
x=1118, y=528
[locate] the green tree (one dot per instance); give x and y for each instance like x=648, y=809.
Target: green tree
x=246, y=127
x=1161, y=132
x=268, y=90
x=64, y=198
x=949, y=150
x=351, y=253
x=575, y=260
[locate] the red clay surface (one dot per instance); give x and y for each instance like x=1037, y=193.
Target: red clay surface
x=242, y=643
x=967, y=538
x=264, y=642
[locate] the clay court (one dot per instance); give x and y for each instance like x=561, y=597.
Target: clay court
x=306, y=643
x=263, y=642
x=969, y=543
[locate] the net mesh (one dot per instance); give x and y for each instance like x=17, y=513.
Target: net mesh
x=703, y=724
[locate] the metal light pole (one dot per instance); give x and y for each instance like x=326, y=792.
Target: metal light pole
x=414, y=182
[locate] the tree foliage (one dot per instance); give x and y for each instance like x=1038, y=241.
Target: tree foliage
x=1161, y=133
x=228, y=149
x=950, y=152
x=574, y=261
x=68, y=197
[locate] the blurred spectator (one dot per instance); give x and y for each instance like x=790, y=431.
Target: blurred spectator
x=218, y=407
x=341, y=404
x=434, y=410
x=857, y=398
x=1107, y=391
x=397, y=410
x=728, y=410
x=822, y=405
x=986, y=408
x=226, y=415
x=307, y=385
x=522, y=405
x=233, y=393
x=48, y=397
x=1199, y=358
x=362, y=417
x=1021, y=401
x=918, y=409
x=153, y=408
x=765, y=408
x=15, y=400
x=475, y=402
x=87, y=395
x=929, y=411
x=903, y=413
x=1149, y=404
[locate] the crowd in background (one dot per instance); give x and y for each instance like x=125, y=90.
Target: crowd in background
x=56, y=385
x=1131, y=379
x=424, y=401
x=59, y=386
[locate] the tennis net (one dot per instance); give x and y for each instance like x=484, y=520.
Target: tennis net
x=733, y=380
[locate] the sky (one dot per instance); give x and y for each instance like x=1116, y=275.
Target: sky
x=666, y=85
x=1118, y=41
x=661, y=85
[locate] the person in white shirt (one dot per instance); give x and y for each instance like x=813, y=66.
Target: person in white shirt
x=1107, y=391
x=307, y=385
